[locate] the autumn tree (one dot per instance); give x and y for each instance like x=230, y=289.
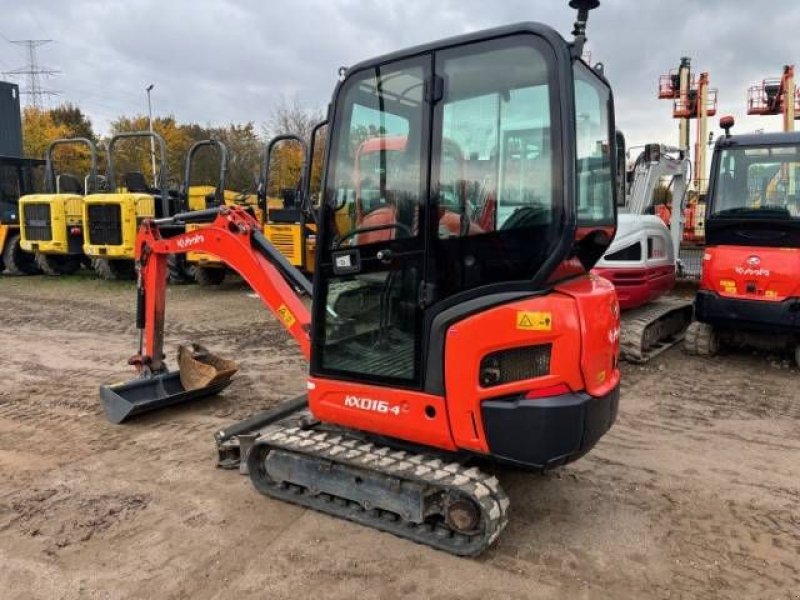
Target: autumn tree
x=39, y=130
x=73, y=118
x=42, y=127
x=132, y=155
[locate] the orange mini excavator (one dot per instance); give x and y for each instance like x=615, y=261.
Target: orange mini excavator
x=433, y=349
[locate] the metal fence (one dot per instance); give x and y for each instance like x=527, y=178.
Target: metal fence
x=691, y=258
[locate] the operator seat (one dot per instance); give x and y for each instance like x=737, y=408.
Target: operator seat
x=135, y=183
x=396, y=213
x=69, y=184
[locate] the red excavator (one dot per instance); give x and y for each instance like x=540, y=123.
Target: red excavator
x=433, y=350
x=750, y=288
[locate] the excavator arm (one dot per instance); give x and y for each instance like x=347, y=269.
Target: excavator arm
x=234, y=236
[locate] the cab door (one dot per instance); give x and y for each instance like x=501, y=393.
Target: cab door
x=367, y=310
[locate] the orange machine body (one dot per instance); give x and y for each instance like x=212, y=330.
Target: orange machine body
x=752, y=272
x=579, y=320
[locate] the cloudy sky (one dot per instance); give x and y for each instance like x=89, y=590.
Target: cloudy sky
x=215, y=62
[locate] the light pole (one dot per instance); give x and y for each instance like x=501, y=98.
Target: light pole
x=148, y=89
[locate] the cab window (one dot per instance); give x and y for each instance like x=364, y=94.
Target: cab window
x=595, y=183
x=496, y=155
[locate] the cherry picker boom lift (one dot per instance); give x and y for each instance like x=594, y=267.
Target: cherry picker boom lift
x=432, y=349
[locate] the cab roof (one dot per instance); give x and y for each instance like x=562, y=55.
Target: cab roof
x=760, y=139
x=551, y=35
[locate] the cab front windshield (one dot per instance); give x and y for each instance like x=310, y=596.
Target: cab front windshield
x=758, y=182
x=493, y=156
x=444, y=175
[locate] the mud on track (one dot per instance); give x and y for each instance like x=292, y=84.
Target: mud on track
x=694, y=493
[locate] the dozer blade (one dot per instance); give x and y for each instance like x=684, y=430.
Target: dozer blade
x=201, y=374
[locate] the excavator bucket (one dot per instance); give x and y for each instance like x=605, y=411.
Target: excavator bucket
x=200, y=374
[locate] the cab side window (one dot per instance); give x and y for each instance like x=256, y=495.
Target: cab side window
x=593, y=150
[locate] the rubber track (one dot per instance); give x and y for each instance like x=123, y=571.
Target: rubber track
x=700, y=339
x=338, y=447
x=636, y=324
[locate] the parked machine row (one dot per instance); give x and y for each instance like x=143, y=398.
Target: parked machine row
x=89, y=219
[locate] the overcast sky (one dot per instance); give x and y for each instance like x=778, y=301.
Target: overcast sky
x=216, y=62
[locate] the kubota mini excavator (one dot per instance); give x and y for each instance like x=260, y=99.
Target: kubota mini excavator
x=431, y=348
x=750, y=287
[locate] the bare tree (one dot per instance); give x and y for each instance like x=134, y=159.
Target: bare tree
x=290, y=116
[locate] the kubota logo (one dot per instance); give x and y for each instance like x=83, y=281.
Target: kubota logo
x=191, y=240
x=379, y=406
x=754, y=261
x=748, y=272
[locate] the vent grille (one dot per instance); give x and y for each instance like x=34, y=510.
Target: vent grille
x=515, y=364
x=283, y=241
x=36, y=218
x=105, y=224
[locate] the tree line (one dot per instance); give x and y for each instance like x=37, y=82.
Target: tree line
x=244, y=141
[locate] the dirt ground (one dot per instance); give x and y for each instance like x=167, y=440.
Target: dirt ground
x=695, y=493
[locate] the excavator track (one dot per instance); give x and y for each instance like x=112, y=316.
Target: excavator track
x=448, y=506
x=651, y=329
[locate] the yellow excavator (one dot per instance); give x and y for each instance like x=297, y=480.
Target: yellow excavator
x=52, y=222
x=112, y=218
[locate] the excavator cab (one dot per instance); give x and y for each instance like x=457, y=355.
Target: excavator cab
x=52, y=223
x=421, y=144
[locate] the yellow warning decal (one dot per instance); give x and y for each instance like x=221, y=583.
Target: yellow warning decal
x=727, y=283
x=534, y=321
x=286, y=315
x=771, y=294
